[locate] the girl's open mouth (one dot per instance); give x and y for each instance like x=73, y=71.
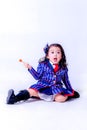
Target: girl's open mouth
x=55, y=59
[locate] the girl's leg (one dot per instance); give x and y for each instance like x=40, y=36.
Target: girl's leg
x=60, y=98
x=33, y=93
x=12, y=98
x=22, y=95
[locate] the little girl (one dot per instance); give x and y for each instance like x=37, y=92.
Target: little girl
x=52, y=74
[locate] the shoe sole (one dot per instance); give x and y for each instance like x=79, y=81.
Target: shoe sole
x=10, y=93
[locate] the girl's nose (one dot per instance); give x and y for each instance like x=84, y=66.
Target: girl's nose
x=55, y=54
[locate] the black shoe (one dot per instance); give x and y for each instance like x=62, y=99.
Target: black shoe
x=76, y=94
x=11, y=97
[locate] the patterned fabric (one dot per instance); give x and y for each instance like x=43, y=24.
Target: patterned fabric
x=50, y=82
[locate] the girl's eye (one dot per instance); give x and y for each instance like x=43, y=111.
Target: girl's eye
x=52, y=52
x=58, y=52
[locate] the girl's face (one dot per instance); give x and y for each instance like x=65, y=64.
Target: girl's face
x=54, y=54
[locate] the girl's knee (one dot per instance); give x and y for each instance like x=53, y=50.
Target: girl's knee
x=60, y=98
x=33, y=92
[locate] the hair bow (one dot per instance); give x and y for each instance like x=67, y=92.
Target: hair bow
x=46, y=48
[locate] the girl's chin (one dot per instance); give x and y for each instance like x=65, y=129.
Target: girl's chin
x=54, y=62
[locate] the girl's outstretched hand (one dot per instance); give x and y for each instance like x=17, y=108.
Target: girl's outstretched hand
x=25, y=64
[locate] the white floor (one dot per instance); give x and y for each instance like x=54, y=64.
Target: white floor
x=40, y=115
x=37, y=114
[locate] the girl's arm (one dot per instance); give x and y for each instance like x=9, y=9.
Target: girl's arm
x=67, y=82
x=36, y=74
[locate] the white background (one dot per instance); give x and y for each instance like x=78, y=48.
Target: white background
x=26, y=26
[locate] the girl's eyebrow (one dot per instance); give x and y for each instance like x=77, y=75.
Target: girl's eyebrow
x=51, y=50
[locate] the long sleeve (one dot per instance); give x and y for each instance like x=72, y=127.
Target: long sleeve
x=37, y=74
x=66, y=81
